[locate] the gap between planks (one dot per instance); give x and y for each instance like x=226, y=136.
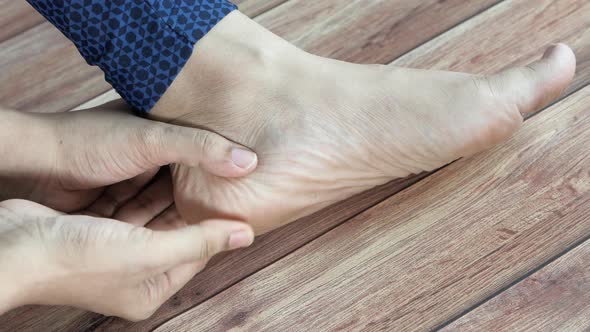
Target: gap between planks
x=554, y=298
x=584, y=241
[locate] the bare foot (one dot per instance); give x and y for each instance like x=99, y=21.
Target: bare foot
x=325, y=130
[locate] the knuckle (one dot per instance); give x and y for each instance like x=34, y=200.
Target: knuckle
x=209, y=245
x=208, y=142
x=207, y=249
x=151, y=137
x=150, y=133
x=205, y=140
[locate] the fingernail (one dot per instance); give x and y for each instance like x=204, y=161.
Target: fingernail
x=243, y=158
x=240, y=239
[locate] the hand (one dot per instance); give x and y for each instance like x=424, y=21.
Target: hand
x=67, y=160
x=103, y=265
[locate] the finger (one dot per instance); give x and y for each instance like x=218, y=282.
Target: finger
x=172, y=280
x=149, y=203
x=197, y=242
x=116, y=195
x=195, y=147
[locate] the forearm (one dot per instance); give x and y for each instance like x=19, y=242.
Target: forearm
x=27, y=147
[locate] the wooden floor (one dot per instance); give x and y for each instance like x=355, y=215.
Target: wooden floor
x=495, y=242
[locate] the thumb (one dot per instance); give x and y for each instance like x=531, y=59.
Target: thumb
x=197, y=147
x=197, y=242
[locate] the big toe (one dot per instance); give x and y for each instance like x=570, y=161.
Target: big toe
x=538, y=84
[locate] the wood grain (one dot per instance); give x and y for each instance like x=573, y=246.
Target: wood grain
x=287, y=239
x=277, y=244
x=43, y=72
x=515, y=31
x=256, y=7
x=552, y=299
x=433, y=250
x=376, y=31
x=17, y=16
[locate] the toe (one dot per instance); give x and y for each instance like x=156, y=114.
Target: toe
x=538, y=84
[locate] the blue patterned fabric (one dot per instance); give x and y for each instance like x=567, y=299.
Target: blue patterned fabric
x=140, y=45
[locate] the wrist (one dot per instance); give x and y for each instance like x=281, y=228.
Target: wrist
x=236, y=53
x=27, y=143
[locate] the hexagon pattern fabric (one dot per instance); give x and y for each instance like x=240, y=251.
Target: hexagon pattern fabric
x=140, y=45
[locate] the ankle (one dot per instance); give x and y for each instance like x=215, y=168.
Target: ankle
x=237, y=55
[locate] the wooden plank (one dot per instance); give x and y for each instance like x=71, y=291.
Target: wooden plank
x=433, y=250
x=277, y=244
x=257, y=7
x=376, y=31
x=554, y=298
x=17, y=16
x=514, y=31
x=43, y=72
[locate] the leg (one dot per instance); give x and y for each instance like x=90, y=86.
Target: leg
x=325, y=130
